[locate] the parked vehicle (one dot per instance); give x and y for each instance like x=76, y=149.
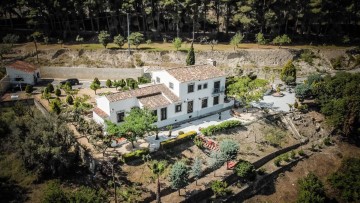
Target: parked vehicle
x=73, y=81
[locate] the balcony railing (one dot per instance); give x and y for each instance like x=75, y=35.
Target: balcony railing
x=218, y=90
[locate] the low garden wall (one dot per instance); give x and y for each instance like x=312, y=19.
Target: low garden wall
x=91, y=73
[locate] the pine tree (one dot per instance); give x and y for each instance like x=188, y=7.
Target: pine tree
x=190, y=59
x=196, y=168
x=179, y=175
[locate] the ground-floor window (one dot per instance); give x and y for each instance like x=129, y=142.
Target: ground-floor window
x=216, y=100
x=204, y=103
x=177, y=108
x=120, y=116
x=163, y=113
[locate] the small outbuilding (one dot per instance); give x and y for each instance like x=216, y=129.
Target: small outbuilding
x=23, y=72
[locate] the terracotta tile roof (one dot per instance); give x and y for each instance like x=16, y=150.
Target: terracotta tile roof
x=144, y=91
x=100, y=112
x=154, y=101
x=196, y=72
x=22, y=66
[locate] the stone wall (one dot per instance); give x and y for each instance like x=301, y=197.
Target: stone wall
x=90, y=73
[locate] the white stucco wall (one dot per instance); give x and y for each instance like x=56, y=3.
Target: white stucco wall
x=122, y=105
x=166, y=78
x=98, y=119
x=28, y=77
x=180, y=89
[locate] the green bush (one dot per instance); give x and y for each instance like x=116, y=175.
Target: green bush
x=277, y=161
x=285, y=157
x=212, y=129
x=308, y=56
x=245, y=169
x=292, y=154
x=57, y=92
x=219, y=188
x=327, y=141
x=181, y=132
x=175, y=141
x=135, y=154
x=69, y=100
x=28, y=89
x=50, y=87
x=301, y=152
x=347, y=180
x=198, y=142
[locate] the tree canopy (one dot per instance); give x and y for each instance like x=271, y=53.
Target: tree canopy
x=288, y=73
x=179, y=175
x=339, y=100
x=136, y=123
x=246, y=89
x=311, y=189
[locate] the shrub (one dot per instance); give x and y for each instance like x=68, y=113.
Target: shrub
x=119, y=40
x=210, y=130
x=292, y=154
x=347, y=180
x=69, y=100
x=135, y=154
x=245, y=169
x=311, y=189
x=301, y=152
x=144, y=80
x=219, y=188
x=108, y=83
x=277, y=161
x=181, y=132
x=175, y=141
x=198, y=142
x=285, y=157
x=327, y=141
x=307, y=56
x=28, y=89
x=261, y=171
x=57, y=92
x=50, y=87
x=54, y=193
x=148, y=42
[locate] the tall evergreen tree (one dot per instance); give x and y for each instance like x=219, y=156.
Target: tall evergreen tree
x=190, y=59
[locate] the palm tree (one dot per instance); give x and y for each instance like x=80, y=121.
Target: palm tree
x=157, y=168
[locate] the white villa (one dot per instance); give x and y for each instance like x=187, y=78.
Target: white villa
x=23, y=72
x=175, y=95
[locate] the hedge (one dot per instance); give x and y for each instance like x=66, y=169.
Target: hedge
x=212, y=129
x=135, y=154
x=181, y=138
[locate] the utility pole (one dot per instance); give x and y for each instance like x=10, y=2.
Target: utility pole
x=128, y=28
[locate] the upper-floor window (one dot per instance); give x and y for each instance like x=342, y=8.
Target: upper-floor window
x=120, y=116
x=157, y=80
x=216, y=100
x=217, y=87
x=177, y=108
x=204, y=103
x=171, y=85
x=163, y=114
x=199, y=87
x=205, y=86
x=191, y=87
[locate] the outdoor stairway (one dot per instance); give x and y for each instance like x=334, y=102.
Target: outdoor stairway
x=291, y=127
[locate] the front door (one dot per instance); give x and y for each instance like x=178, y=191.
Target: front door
x=190, y=105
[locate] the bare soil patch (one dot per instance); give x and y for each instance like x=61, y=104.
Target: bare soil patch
x=322, y=164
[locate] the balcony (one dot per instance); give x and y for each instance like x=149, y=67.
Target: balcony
x=218, y=90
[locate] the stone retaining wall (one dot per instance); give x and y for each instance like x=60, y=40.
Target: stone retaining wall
x=91, y=73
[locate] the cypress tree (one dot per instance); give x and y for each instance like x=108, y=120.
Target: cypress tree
x=190, y=59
